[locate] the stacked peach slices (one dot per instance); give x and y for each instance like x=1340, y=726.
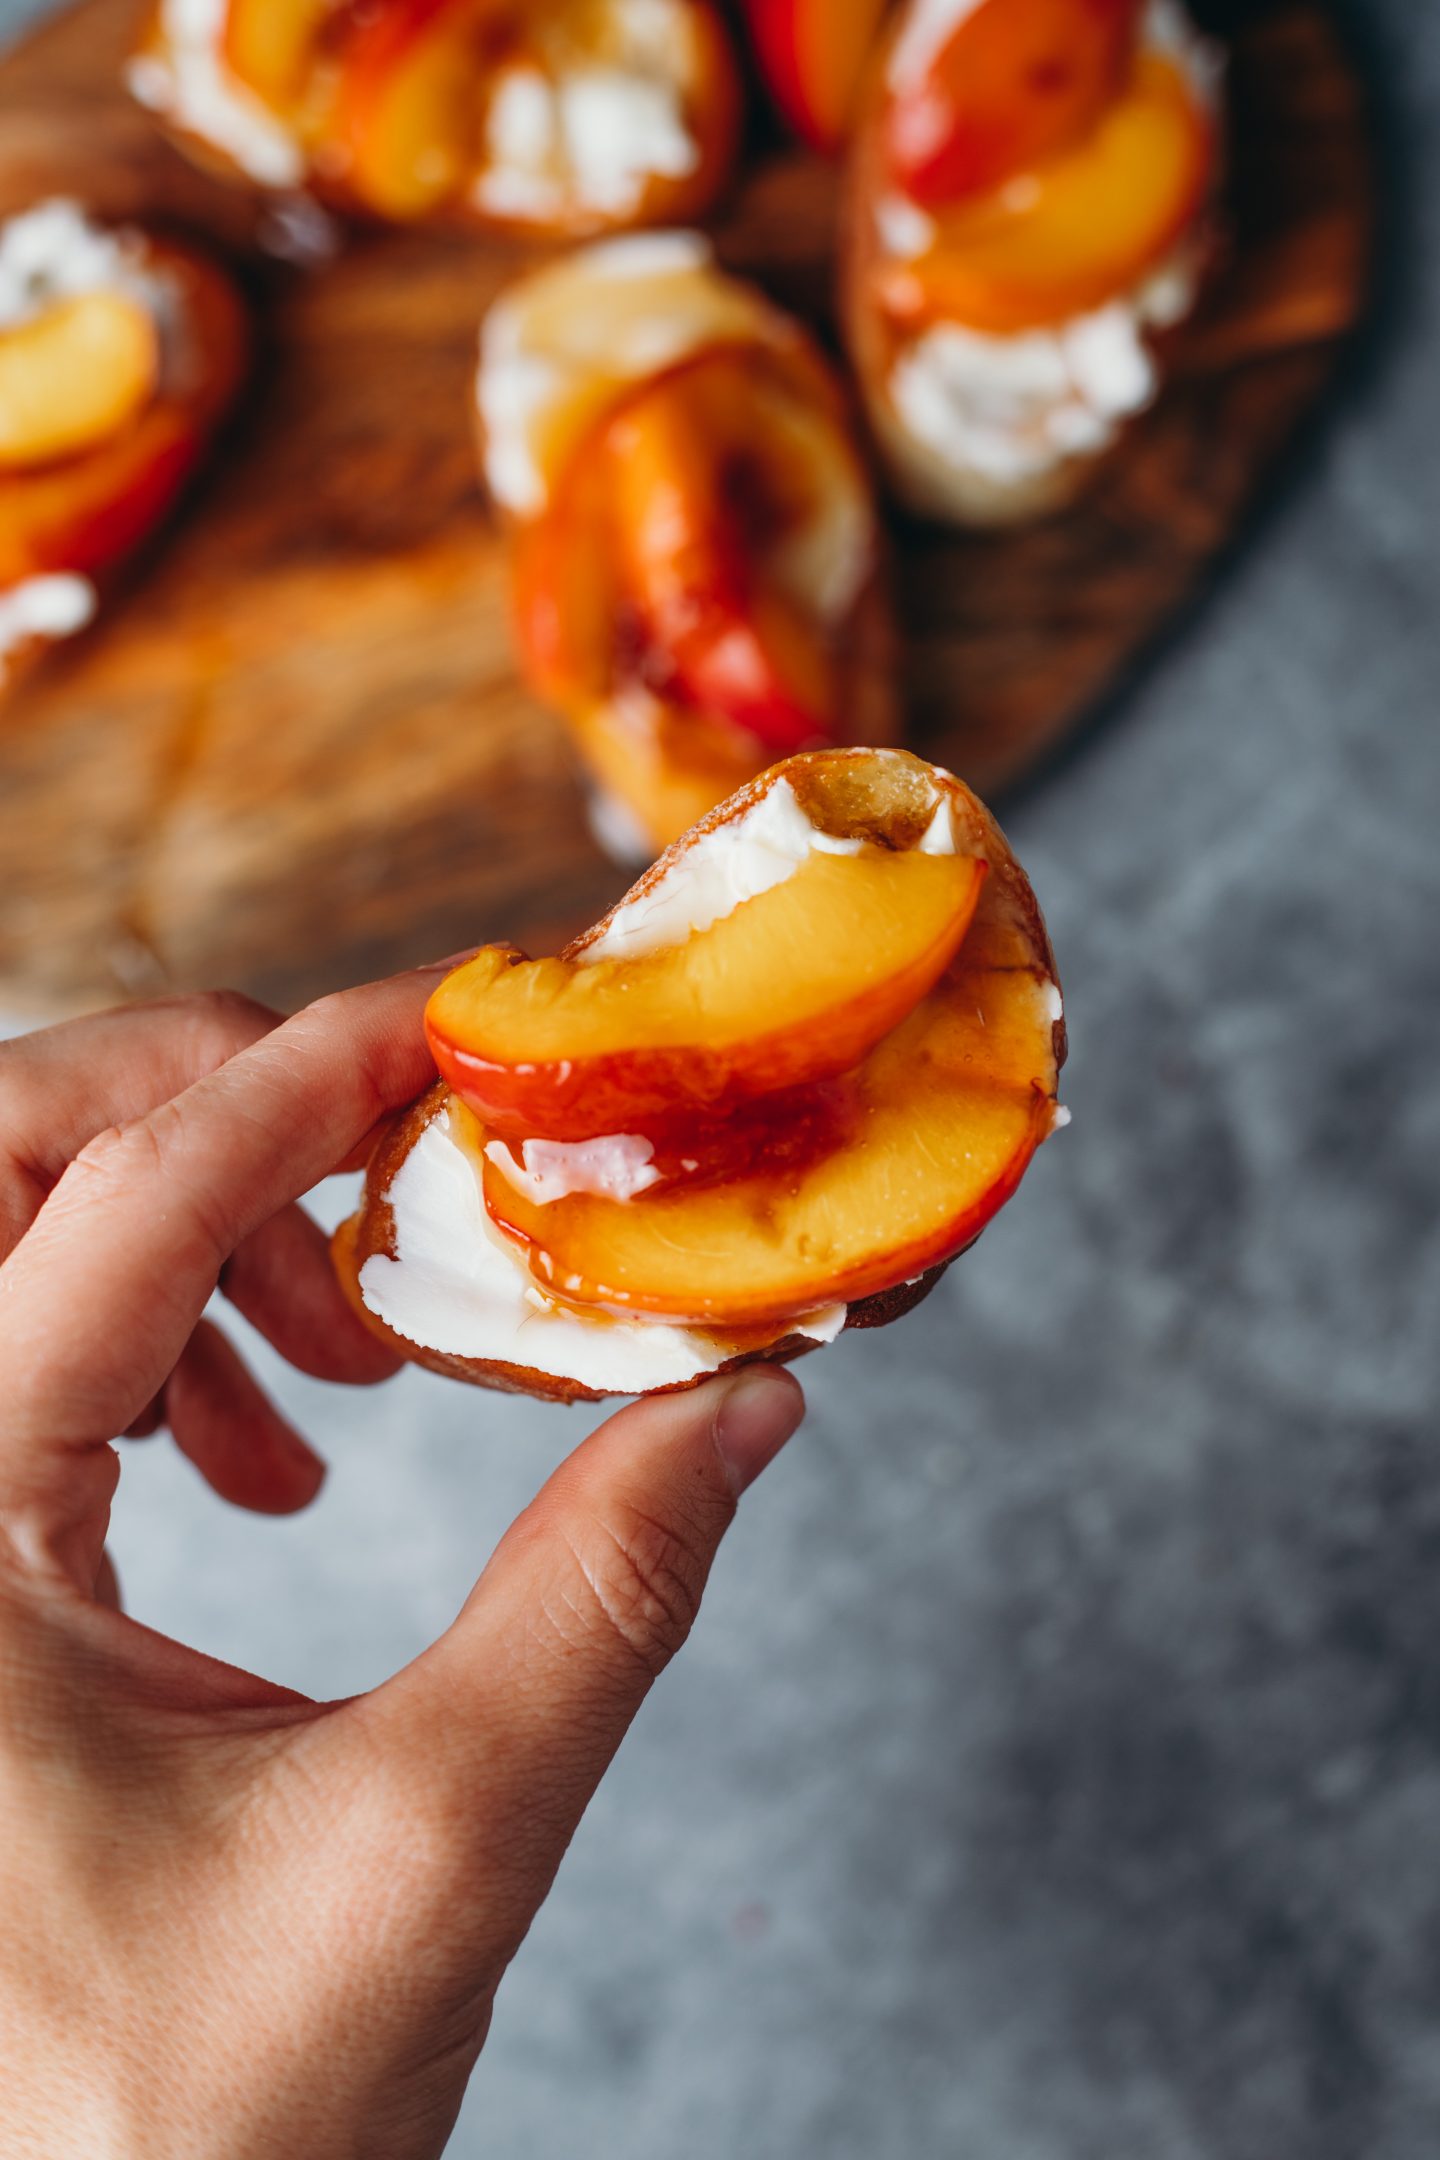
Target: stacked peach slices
x=786, y=1080
x=119, y=356
x=1031, y=211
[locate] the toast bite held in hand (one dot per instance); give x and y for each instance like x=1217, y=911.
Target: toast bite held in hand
x=771, y=1095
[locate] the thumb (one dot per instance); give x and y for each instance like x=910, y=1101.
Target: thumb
x=520, y=1707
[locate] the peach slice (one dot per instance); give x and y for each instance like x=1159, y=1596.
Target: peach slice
x=1081, y=229
x=813, y=55
x=790, y=988
x=949, y=1109
x=270, y=44
x=407, y=104
x=87, y=513
x=1017, y=82
x=731, y=644
x=74, y=376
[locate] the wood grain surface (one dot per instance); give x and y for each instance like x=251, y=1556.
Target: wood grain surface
x=295, y=751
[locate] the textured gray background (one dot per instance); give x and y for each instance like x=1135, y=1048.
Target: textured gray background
x=1055, y=1774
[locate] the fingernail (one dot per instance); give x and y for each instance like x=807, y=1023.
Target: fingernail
x=304, y=1470
x=756, y=1416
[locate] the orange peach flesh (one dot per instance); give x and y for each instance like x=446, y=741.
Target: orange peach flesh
x=868, y=1179
x=950, y=1108
x=407, y=106
x=271, y=44
x=85, y=514
x=74, y=376
x=813, y=55
x=793, y=987
x=1076, y=231
x=1019, y=82
x=595, y=607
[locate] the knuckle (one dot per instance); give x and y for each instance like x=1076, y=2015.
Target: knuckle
x=229, y=1018
x=122, y=1166
x=646, y=1579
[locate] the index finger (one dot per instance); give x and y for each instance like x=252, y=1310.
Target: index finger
x=61, y=1085
x=100, y=1295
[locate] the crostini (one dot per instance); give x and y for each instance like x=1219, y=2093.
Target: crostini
x=771, y=1095
x=560, y=119
x=1030, y=212
x=694, y=550
x=120, y=353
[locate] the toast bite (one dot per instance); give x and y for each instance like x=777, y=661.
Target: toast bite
x=770, y=1096
x=121, y=352
x=695, y=554
x=1030, y=215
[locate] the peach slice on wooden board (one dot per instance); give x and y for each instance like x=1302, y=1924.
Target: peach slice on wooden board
x=790, y=988
x=1077, y=231
x=731, y=644
x=1017, y=82
x=270, y=45
x=407, y=105
x=663, y=552
x=74, y=376
x=950, y=1107
x=85, y=514
x=813, y=55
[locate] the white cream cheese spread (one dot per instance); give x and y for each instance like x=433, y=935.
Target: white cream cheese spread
x=458, y=1286
x=43, y=607
x=593, y=140
x=586, y=125
x=714, y=874
x=54, y=252
x=191, y=84
x=618, y=1166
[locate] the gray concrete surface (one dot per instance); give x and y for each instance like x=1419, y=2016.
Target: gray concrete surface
x=1055, y=1774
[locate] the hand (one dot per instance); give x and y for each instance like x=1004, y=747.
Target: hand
x=232, y=1921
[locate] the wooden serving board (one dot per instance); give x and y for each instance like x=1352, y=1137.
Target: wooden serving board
x=295, y=752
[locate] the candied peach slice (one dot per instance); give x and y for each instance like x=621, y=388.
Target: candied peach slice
x=1073, y=234
x=407, y=104
x=84, y=514
x=949, y=1109
x=74, y=376
x=270, y=44
x=791, y=987
x=1017, y=82
x=734, y=646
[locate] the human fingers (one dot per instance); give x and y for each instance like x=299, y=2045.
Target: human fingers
x=222, y=1420
x=283, y=1280
x=60, y=1086
x=515, y=1713
x=100, y=1296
